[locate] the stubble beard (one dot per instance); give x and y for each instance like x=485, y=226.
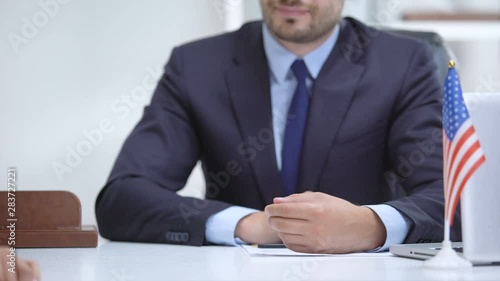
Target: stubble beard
x=320, y=26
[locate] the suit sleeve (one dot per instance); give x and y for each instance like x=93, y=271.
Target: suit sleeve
x=415, y=148
x=139, y=201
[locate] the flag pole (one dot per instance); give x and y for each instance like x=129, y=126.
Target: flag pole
x=447, y=239
x=447, y=230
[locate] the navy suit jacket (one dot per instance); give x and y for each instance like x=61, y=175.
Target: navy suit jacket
x=373, y=136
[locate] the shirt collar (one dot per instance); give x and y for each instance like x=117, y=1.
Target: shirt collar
x=280, y=59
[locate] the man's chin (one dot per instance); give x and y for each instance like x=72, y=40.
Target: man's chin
x=291, y=35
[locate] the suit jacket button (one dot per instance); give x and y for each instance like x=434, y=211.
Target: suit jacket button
x=169, y=236
x=185, y=237
x=177, y=237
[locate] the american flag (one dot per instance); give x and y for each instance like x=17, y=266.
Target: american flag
x=462, y=153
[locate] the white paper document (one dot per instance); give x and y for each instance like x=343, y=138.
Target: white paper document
x=252, y=250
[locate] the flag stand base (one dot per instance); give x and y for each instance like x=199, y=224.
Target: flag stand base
x=447, y=258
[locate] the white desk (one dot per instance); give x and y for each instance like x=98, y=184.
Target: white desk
x=113, y=261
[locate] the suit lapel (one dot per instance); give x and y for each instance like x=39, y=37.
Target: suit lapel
x=331, y=98
x=249, y=89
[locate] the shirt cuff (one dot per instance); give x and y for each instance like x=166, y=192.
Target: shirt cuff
x=220, y=227
x=396, y=225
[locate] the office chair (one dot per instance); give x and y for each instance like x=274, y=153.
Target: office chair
x=442, y=54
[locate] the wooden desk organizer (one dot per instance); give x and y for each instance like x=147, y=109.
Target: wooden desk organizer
x=45, y=219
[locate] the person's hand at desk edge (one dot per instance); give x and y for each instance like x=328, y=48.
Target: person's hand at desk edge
x=18, y=270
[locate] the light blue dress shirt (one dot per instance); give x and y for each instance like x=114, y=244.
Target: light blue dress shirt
x=221, y=226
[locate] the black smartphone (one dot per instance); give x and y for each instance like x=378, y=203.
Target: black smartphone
x=271, y=246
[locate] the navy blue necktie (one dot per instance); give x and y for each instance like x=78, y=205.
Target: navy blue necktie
x=295, y=127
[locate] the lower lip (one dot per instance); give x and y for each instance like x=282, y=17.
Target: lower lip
x=291, y=12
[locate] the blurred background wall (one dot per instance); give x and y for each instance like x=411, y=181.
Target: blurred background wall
x=75, y=75
x=77, y=82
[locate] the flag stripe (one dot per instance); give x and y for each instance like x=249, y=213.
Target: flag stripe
x=452, y=146
x=468, y=176
x=471, y=149
x=462, y=175
x=457, y=148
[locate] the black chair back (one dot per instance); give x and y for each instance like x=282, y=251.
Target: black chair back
x=442, y=54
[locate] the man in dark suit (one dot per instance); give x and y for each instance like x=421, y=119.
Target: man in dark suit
x=302, y=102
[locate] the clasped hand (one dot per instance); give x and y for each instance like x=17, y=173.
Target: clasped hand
x=314, y=222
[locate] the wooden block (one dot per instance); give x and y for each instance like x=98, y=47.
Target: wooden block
x=44, y=219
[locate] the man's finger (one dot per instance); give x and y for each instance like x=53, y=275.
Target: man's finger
x=5, y=274
x=9, y=275
x=290, y=226
x=36, y=270
x=307, y=196
x=25, y=270
x=294, y=242
x=298, y=248
x=2, y=265
x=292, y=210
x=293, y=239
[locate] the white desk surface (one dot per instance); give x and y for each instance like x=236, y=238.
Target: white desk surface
x=113, y=261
